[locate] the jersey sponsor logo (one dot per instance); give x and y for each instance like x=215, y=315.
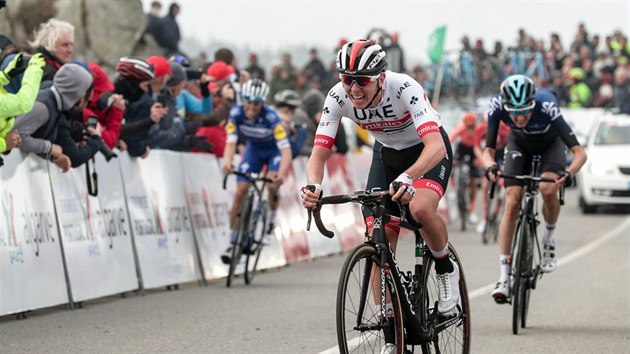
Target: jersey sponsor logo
x=418, y=114
x=381, y=112
x=334, y=95
x=388, y=126
x=495, y=104
x=426, y=128
x=551, y=109
x=323, y=141
x=279, y=133
x=230, y=128
x=401, y=88
x=429, y=184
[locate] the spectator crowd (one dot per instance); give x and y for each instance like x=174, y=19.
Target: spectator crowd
x=67, y=110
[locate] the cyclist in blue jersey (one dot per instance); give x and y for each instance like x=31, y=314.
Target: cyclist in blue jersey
x=267, y=144
x=537, y=128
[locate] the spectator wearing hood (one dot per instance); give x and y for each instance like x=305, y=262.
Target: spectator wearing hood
x=47, y=121
x=309, y=113
x=106, y=105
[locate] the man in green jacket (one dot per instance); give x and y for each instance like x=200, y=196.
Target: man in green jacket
x=12, y=105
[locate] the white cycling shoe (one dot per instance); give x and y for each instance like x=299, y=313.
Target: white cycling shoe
x=448, y=286
x=501, y=292
x=388, y=348
x=549, y=262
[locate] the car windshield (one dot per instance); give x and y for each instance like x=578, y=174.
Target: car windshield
x=611, y=133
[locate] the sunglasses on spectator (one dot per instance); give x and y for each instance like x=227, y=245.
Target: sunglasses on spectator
x=361, y=81
x=519, y=111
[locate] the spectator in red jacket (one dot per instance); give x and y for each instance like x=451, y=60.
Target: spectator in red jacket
x=106, y=105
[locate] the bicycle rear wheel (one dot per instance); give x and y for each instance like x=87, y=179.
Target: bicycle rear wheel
x=519, y=273
x=258, y=230
x=450, y=331
x=241, y=236
x=358, y=326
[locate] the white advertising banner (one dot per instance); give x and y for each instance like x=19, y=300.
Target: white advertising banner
x=95, y=231
x=31, y=266
x=208, y=205
x=160, y=221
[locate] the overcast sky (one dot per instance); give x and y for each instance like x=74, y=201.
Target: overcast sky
x=274, y=24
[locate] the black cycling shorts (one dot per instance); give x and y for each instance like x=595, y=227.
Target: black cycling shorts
x=518, y=159
x=388, y=164
x=466, y=154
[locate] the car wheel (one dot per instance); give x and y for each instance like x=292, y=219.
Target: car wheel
x=587, y=208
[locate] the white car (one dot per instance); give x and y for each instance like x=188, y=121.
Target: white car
x=605, y=177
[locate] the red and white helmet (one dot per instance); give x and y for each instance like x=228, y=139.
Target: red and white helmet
x=136, y=68
x=361, y=57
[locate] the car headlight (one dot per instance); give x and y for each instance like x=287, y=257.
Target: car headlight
x=602, y=168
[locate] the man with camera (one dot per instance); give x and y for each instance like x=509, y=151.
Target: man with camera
x=45, y=130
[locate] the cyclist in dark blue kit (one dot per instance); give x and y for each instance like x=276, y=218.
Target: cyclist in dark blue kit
x=537, y=128
x=267, y=144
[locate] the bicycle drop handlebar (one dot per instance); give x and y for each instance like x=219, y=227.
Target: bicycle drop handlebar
x=528, y=178
x=360, y=197
x=251, y=177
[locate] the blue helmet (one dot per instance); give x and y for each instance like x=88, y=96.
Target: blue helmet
x=518, y=92
x=255, y=90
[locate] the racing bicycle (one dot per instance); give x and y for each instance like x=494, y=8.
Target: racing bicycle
x=250, y=226
x=370, y=276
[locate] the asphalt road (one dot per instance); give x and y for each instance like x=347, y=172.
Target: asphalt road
x=583, y=307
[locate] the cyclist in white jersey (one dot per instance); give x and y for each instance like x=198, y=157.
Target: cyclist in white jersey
x=411, y=147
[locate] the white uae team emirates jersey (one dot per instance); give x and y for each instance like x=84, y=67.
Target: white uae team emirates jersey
x=401, y=119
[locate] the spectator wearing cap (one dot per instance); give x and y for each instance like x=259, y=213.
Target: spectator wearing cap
x=310, y=113
x=55, y=40
x=254, y=70
x=169, y=132
x=162, y=73
x=579, y=92
x=39, y=128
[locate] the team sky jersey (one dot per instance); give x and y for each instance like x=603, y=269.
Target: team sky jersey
x=265, y=132
x=545, y=125
x=403, y=114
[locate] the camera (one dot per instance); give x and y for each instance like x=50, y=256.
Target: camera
x=193, y=74
x=103, y=148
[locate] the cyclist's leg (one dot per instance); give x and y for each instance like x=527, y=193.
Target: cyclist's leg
x=273, y=165
x=553, y=163
x=515, y=158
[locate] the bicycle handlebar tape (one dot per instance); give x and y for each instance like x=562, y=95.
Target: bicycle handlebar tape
x=320, y=225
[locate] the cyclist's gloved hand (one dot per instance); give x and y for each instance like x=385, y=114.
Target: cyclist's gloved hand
x=15, y=67
x=406, y=181
x=310, y=194
x=568, y=179
x=492, y=172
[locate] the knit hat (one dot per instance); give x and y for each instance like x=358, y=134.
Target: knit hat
x=219, y=70
x=178, y=74
x=313, y=102
x=71, y=82
x=161, y=65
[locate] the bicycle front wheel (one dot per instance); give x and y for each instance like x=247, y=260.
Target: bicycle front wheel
x=449, y=332
x=258, y=230
x=241, y=236
x=519, y=274
x=358, y=327
x=527, y=262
